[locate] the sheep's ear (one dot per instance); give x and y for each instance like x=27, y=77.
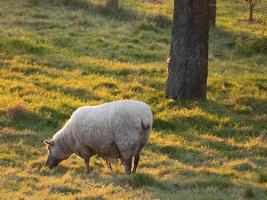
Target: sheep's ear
x=49, y=142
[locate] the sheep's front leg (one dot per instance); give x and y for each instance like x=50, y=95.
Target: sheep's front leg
x=86, y=159
x=109, y=164
x=85, y=154
x=86, y=163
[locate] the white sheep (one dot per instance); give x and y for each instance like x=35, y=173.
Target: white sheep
x=118, y=129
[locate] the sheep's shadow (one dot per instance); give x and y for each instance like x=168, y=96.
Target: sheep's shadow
x=139, y=180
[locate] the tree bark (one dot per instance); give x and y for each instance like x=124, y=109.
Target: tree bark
x=251, y=9
x=212, y=12
x=188, y=63
x=113, y=4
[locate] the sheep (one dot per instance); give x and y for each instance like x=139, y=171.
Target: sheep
x=118, y=129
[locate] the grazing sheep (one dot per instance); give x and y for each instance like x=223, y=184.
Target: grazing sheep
x=118, y=129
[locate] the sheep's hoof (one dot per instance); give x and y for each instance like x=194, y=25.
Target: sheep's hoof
x=110, y=168
x=127, y=172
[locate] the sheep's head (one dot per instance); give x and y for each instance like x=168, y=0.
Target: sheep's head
x=55, y=154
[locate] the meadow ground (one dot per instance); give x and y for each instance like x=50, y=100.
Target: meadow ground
x=57, y=57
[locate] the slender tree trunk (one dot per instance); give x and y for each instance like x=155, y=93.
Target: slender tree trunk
x=113, y=4
x=251, y=9
x=212, y=12
x=188, y=63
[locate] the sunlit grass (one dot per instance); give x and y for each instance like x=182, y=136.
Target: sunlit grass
x=55, y=58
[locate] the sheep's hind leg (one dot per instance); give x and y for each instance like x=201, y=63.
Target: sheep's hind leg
x=136, y=161
x=128, y=165
x=126, y=159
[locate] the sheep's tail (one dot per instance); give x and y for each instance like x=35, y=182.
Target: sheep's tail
x=146, y=123
x=145, y=126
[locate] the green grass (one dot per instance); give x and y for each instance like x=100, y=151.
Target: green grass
x=57, y=57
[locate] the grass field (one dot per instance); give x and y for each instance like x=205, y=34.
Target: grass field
x=57, y=57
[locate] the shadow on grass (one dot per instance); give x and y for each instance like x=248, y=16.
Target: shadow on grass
x=185, y=154
x=139, y=180
x=198, y=181
x=203, y=181
x=240, y=125
x=16, y=46
x=17, y=142
x=20, y=117
x=38, y=167
x=9, y=135
x=226, y=125
x=241, y=43
x=79, y=93
x=120, y=72
x=237, y=125
x=182, y=123
x=256, y=106
x=121, y=13
x=63, y=189
x=31, y=70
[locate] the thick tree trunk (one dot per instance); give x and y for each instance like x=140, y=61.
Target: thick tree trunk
x=113, y=4
x=188, y=64
x=212, y=12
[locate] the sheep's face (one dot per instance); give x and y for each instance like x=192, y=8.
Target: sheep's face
x=55, y=154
